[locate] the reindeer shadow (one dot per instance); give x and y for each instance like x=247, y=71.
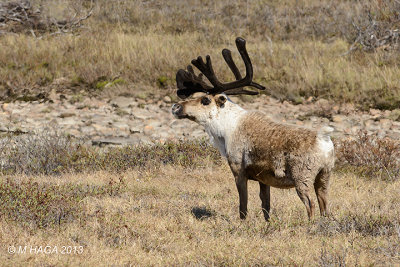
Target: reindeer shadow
x=202, y=213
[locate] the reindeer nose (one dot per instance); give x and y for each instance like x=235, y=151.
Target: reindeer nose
x=177, y=109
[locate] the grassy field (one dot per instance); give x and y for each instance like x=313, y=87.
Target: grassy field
x=298, y=48
x=177, y=204
x=177, y=216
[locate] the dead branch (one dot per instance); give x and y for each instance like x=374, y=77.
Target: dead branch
x=21, y=16
x=375, y=35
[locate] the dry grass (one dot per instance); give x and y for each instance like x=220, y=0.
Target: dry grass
x=152, y=221
x=176, y=204
x=52, y=153
x=131, y=47
x=370, y=156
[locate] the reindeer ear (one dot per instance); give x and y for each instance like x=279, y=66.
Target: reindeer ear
x=220, y=100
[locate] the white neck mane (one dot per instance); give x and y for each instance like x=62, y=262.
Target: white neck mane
x=222, y=123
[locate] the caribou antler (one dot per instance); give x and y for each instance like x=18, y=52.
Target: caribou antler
x=226, y=53
x=188, y=83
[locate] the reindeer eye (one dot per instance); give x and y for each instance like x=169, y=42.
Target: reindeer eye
x=205, y=101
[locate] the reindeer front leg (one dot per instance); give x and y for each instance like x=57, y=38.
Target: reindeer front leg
x=241, y=185
x=265, y=197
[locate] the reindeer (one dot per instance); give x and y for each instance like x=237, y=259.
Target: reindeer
x=256, y=147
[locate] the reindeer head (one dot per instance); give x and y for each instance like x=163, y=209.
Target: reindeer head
x=208, y=106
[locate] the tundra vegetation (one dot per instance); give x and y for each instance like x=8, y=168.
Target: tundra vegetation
x=176, y=203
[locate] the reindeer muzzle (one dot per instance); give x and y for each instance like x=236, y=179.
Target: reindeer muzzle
x=177, y=110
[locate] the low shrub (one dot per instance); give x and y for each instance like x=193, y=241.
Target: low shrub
x=35, y=205
x=42, y=205
x=370, y=156
x=52, y=153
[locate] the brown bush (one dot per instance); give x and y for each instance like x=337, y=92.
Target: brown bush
x=370, y=156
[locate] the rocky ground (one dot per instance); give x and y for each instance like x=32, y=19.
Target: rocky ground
x=128, y=120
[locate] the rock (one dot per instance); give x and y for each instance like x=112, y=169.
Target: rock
x=385, y=123
x=122, y=102
x=141, y=114
x=121, y=126
x=368, y=123
x=68, y=121
x=198, y=134
x=133, y=130
x=387, y=113
x=115, y=141
x=394, y=115
x=371, y=125
x=123, y=111
x=100, y=119
x=175, y=124
x=5, y=107
x=346, y=108
x=61, y=81
x=324, y=120
x=140, y=101
x=123, y=121
x=87, y=130
x=322, y=102
x=335, y=109
x=396, y=125
x=154, y=123
x=93, y=103
x=145, y=140
x=66, y=115
x=74, y=132
x=374, y=112
x=167, y=99
x=3, y=128
x=53, y=96
x=148, y=129
x=102, y=130
x=163, y=134
x=338, y=118
x=381, y=133
x=355, y=129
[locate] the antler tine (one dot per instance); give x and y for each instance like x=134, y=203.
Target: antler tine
x=227, y=54
x=197, y=78
x=188, y=83
x=207, y=70
x=248, y=79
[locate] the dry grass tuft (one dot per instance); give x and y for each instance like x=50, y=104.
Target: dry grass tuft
x=370, y=156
